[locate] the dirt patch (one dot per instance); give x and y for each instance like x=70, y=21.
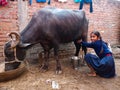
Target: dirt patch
x=70, y=79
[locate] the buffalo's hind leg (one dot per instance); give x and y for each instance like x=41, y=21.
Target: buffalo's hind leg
x=77, y=46
x=46, y=61
x=84, y=49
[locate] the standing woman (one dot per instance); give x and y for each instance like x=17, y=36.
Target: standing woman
x=102, y=63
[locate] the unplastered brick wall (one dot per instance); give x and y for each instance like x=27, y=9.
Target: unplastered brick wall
x=8, y=23
x=105, y=18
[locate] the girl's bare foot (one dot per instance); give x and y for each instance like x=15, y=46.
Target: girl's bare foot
x=92, y=74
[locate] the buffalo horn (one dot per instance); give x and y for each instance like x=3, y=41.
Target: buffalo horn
x=15, y=40
x=24, y=45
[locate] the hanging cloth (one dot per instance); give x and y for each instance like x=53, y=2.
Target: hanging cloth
x=77, y=1
x=39, y=1
x=3, y=2
x=86, y=2
x=49, y=1
x=30, y=2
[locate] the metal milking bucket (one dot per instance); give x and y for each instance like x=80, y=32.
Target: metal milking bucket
x=75, y=62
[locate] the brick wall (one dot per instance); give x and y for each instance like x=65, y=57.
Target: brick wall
x=105, y=18
x=8, y=22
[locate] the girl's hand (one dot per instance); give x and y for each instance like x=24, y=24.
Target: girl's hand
x=79, y=41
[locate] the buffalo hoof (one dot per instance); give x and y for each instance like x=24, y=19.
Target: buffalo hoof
x=59, y=72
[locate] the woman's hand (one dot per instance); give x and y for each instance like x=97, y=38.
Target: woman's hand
x=79, y=41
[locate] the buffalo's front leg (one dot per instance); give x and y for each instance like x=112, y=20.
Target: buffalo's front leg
x=58, y=65
x=46, y=61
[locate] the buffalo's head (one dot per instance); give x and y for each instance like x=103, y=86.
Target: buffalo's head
x=12, y=48
x=13, y=51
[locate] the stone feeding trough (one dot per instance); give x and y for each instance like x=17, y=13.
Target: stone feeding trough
x=11, y=74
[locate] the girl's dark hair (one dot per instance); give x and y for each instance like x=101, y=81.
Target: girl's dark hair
x=98, y=35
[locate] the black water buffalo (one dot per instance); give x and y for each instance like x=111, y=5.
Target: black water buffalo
x=51, y=27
